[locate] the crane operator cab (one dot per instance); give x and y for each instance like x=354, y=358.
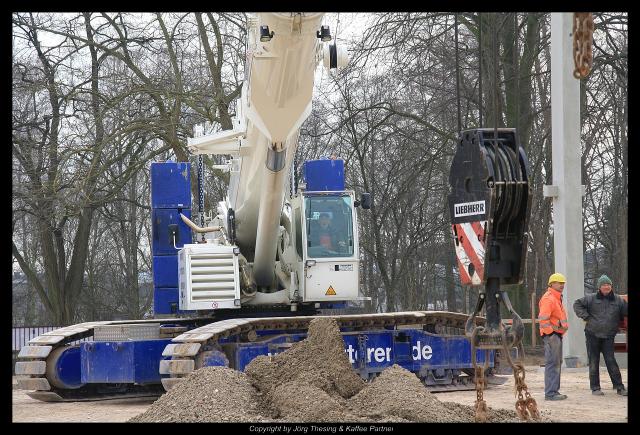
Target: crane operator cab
x=326, y=233
x=317, y=256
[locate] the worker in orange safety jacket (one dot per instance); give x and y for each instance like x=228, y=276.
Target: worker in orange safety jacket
x=553, y=325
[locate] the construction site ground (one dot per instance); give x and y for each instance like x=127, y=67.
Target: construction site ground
x=580, y=406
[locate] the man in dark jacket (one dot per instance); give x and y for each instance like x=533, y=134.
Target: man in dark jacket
x=602, y=311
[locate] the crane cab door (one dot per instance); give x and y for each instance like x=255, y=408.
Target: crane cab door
x=329, y=271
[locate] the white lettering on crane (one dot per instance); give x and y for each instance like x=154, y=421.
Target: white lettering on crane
x=418, y=353
x=379, y=354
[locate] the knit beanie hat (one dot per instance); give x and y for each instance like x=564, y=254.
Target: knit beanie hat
x=604, y=279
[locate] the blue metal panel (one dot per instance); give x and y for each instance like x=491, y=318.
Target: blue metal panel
x=373, y=351
x=323, y=175
x=122, y=361
x=147, y=355
x=165, y=300
x=422, y=350
x=246, y=352
x=170, y=185
x=165, y=271
x=215, y=358
x=162, y=243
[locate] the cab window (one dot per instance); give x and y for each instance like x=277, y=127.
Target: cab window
x=329, y=226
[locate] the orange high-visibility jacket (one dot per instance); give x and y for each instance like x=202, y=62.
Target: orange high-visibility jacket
x=552, y=316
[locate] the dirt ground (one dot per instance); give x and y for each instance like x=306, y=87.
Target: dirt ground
x=26, y=409
x=580, y=406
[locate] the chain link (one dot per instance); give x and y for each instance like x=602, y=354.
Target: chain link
x=201, y=191
x=582, y=44
x=526, y=406
x=481, y=404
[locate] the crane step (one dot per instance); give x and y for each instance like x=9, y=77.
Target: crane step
x=181, y=349
x=30, y=367
x=34, y=352
x=45, y=396
x=47, y=339
x=33, y=384
x=176, y=366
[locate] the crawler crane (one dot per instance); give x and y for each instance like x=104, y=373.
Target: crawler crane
x=248, y=280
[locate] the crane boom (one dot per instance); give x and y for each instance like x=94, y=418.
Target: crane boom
x=275, y=101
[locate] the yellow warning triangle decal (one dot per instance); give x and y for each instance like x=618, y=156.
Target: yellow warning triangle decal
x=330, y=291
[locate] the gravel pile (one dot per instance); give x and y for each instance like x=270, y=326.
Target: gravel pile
x=397, y=393
x=312, y=381
x=209, y=394
x=319, y=361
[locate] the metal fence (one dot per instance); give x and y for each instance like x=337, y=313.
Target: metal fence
x=22, y=335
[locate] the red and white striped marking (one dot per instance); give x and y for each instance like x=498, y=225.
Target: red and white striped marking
x=470, y=249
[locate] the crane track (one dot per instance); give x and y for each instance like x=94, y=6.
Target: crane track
x=186, y=352
x=35, y=374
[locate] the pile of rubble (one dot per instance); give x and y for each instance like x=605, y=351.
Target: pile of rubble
x=313, y=381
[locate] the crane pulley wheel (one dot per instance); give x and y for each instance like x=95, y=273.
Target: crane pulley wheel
x=518, y=186
x=507, y=169
x=503, y=162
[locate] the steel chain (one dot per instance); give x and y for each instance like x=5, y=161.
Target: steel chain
x=481, y=404
x=582, y=44
x=526, y=406
x=201, y=191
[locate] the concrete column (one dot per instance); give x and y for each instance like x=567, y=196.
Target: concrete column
x=567, y=190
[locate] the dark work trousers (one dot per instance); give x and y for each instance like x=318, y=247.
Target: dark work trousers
x=595, y=345
x=552, y=364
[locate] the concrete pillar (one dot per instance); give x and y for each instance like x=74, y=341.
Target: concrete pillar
x=567, y=190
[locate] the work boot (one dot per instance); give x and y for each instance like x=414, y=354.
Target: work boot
x=556, y=397
x=597, y=393
x=622, y=391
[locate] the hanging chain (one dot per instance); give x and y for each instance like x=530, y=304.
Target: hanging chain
x=478, y=375
x=481, y=404
x=526, y=406
x=516, y=57
x=201, y=191
x=582, y=44
x=457, y=74
x=480, y=69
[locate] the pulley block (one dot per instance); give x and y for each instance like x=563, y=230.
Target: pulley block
x=489, y=205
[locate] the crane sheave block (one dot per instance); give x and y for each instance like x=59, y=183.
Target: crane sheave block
x=489, y=205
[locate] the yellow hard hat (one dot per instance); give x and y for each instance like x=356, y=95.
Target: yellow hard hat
x=557, y=277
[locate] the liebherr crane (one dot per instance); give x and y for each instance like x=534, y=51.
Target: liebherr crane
x=248, y=281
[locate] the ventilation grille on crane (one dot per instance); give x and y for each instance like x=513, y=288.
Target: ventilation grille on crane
x=208, y=277
x=212, y=276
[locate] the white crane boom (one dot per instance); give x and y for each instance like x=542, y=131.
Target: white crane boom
x=283, y=52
